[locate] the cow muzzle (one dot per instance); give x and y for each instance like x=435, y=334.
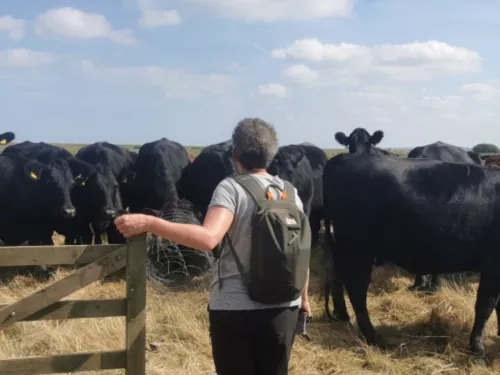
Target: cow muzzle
x=110, y=213
x=69, y=212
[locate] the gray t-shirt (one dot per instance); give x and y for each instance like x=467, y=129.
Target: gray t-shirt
x=233, y=294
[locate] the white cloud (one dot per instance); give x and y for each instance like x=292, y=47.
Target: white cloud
x=406, y=62
x=303, y=75
x=273, y=10
x=25, y=58
x=274, y=89
x=441, y=102
x=314, y=50
x=481, y=91
x=151, y=16
x=300, y=73
x=74, y=23
x=13, y=26
x=174, y=83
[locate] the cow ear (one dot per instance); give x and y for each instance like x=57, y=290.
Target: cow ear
x=376, y=137
x=33, y=170
x=298, y=156
x=81, y=171
x=342, y=138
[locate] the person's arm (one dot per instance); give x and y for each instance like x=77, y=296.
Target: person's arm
x=205, y=237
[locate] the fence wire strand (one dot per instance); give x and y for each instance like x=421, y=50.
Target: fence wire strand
x=172, y=264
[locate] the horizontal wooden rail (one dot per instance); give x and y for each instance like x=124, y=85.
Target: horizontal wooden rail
x=53, y=255
x=78, y=309
x=56, y=364
x=42, y=299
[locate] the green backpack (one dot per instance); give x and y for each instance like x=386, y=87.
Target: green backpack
x=281, y=245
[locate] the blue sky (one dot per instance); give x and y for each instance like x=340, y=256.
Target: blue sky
x=132, y=71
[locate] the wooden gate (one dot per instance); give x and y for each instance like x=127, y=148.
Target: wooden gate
x=97, y=261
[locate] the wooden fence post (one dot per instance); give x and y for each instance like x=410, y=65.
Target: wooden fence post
x=136, y=306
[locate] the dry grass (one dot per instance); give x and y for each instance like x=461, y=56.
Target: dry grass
x=428, y=334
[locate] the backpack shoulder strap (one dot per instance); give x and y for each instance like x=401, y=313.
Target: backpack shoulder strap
x=289, y=191
x=254, y=188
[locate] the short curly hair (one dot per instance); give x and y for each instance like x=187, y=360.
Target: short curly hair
x=255, y=142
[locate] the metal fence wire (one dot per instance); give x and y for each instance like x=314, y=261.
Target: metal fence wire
x=173, y=264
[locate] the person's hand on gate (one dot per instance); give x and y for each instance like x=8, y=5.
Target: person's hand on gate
x=132, y=224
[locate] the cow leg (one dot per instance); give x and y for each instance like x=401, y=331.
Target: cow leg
x=419, y=284
x=97, y=238
x=114, y=235
x=497, y=309
x=339, y=306
x=356, y=284
x=435, y=283
x=333, y=287
x=86, y=235
x=487, y=299
x=315, y=223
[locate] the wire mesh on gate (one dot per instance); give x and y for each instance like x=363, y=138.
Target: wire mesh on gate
x=173, y=264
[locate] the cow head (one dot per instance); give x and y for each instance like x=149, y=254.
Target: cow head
x=285, y=162
x=98, y=194
x=360, y=141
x=6, y=138
x=107, y=193
x=53, y=183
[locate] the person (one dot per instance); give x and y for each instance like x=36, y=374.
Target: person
x=247, y=337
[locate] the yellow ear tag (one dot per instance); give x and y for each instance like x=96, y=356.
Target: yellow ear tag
x=3, y=142
x=79, y=177
x=83, y=183
x=124, y=180
x=33, y=176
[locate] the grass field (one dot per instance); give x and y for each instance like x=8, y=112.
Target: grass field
x=427, y=334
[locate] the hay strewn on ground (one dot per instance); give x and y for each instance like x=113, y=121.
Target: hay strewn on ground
x=428, y=334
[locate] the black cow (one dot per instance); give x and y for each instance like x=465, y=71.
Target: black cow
x=39, y=150
x=292, y=164
x=447, y=153
x=201, y=177
x=155, y=174
x=46, y=153
x=317, y=158
x=221, y=146
x=361, y=142
x=215, y=162
x=32, y=196
x=425, y=216
x=6, y=138
x=113, y=163
x=90, y=195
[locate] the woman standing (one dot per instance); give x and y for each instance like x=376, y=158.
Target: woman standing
x=248, y=337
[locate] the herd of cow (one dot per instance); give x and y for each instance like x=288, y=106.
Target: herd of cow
x=435, y=211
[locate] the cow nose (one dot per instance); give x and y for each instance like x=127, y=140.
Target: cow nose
x=110, y=213
x=70, y=212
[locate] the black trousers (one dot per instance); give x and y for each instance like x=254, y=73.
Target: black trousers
x=252, y=342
